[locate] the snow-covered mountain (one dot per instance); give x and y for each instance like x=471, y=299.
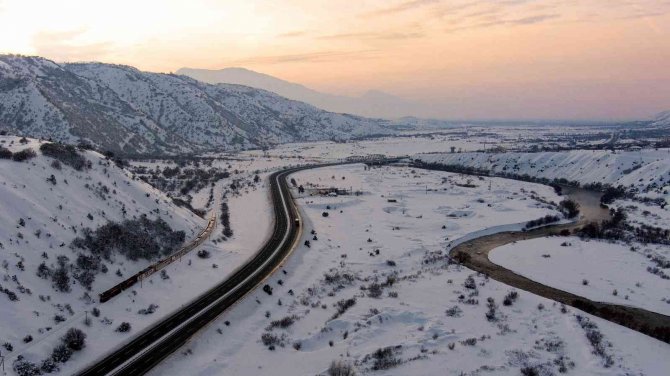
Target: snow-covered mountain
x=126, y=110
x=373, y=103
x=662, y=120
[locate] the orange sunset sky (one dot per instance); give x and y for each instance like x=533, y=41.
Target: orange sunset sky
x=507, y=59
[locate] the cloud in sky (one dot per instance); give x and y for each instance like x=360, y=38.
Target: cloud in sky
x=418, y=49
x=312, y=57
x=406, y=6
x=293, y=34
x=64, y=46
x=388, y=35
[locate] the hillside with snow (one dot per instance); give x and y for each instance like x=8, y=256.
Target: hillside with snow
x=125, y=110
x=51, y=276
x=372, y=103
x=646, y=170
x=662, y=120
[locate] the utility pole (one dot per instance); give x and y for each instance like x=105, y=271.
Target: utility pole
x=2, y=362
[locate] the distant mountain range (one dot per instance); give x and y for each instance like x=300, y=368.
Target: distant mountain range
x=373, y=103
x=123, y=109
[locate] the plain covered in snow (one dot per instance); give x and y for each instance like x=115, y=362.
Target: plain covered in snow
x=371, y=286
x=597, y=270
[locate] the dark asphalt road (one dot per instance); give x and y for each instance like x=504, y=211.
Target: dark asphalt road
x=165, y=337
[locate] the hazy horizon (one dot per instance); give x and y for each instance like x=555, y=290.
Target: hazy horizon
x=513, y=59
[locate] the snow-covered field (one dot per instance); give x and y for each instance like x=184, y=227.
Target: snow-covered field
x=614, y=273
x=639, y=213
x=647, y=170
x=374, y=290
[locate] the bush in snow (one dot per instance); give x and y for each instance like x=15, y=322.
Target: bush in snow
x=470, y=283
x=86, y=269
x=25, y=368
x=203, y=254
x=5, y=153
x=43, y=271
x=492, y=307
x=61, y=353
x=510, y=298
x=66, y=154
x=384, y=358
x=61, y=279
x=136, y=239
x=341, y=368
x=569, y=208
x=282, y=323
x=149, y=310
x=596, y=339
x=74, y=339
x=49, y=366
x=454, y=311
x=374, y=290
x=343, y=305
x=124, y=327
x=23, y=155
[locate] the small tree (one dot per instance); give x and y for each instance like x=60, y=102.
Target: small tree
x=23, y=155
x=61, y=353
x=5, y=153
x=341, y=368
x=74, y=339
x=124, y=327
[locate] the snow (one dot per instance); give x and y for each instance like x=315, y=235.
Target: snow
x=647, y=170
x=639, y=213
x=25, y=193
x=409, y=233
x=606, y=266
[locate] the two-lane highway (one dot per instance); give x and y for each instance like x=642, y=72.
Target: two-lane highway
x=154, y=344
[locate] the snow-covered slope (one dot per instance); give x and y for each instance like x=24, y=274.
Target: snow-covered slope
x=45, y=206
x=127, y=110
x=662, y=120
x=646, y=170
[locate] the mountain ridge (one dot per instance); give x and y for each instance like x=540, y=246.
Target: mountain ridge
x=372, y=103
x=126, y=110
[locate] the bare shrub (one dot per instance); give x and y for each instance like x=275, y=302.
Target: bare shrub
x=341, y=368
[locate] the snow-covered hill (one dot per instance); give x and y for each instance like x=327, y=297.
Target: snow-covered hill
x=47, y=204
x=646, y=170
x=126, y=110
x=662, y=120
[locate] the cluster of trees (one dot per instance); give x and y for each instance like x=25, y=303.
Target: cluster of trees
x=20, y=156
x=65, y=154
x=612, y=193
x=556, y=182
x=73, y=340
x=569, y=208
x=547, y=219
x=181, y=180
x=617, y=228
x=225, y=220
x=140, y=238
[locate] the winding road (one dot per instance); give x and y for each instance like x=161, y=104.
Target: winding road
x=477, y=250
x=159, y=341
x=147, y=349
